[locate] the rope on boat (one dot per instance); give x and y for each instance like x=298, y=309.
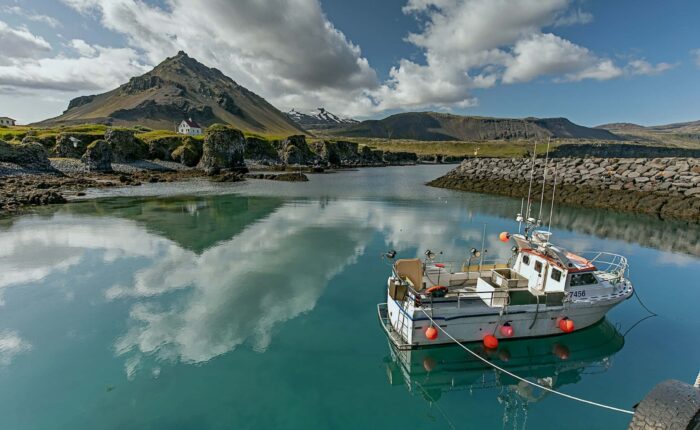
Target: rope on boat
x=520, y=378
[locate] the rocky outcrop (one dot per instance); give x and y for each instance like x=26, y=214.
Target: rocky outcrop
x=31, y=155
x=668, y=187
x=400, y=158
x=98, y=157
x=294, y=151
x=125, y=146
x=261, y=151
x=224, y=148
x=73, y=145
x=161, y=148
x=188, y=153
x=285, y=177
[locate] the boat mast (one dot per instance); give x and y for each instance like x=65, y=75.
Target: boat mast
x=551, y=209
x=528, y=220
x=544, y=181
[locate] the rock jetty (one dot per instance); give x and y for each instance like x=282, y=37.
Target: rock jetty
x=667, y=187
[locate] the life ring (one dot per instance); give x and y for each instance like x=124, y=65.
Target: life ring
x=437, y=291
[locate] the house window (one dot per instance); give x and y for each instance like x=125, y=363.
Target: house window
x=526, y=259
x=582, y=279
x=556, y=274
x=538, y=266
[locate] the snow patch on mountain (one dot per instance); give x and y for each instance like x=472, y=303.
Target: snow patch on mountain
x=318, y=119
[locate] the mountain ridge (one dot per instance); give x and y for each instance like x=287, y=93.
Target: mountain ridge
x=179, y=87
x=444, y=126
x=319, y=119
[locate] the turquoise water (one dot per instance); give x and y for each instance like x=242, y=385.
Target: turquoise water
x=253, y=305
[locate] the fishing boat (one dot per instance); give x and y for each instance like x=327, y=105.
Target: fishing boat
x=542, y=289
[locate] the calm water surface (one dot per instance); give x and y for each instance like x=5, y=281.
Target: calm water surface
x=252, y=306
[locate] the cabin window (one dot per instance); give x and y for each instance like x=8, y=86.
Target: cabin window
x=556, y=275
x=538, y=266
x=582, y=279
x=526, y=259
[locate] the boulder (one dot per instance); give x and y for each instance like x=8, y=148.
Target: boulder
x=73, y=145
x=125, y=146
x=224, y=148
x=161, y=148
x=294, y=151
x=31, y=155
x=188, y=153
x=261, y=151
x=400, y=158
x=98, y=157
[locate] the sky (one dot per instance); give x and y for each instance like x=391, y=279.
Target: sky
x=592, y=61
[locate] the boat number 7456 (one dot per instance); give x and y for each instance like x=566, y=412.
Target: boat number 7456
x=577, y=293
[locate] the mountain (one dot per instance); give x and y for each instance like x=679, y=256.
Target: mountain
x=681, y=134
x=319, y=119
x=442, y=126
x=180, y=87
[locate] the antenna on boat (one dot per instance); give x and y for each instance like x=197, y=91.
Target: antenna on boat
x=519, y=218
x=551, y=209
x=528, y=221
x=544, y=181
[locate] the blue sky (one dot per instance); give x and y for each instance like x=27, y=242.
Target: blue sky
x=591, y=61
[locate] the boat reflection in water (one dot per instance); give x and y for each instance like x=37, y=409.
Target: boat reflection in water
x=553, y=361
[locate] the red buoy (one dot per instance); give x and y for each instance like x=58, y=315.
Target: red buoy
x=566, y=325
x=507, y=330
x=490, y=341
x=504, y=236
x=431, y=333
x=440, y=265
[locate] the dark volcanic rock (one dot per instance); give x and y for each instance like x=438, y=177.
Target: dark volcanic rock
x=294, y=151
x=79, y=101
x=223, y=148
x=261, y=151
x=400, y=158
x=162, y=148
x=73, y=145
x=31, y=155
x=189, y=153
x=125, y=146
x=98, y=157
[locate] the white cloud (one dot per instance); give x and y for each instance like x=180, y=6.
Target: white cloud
x=31, y=16
x=20, y=43
x=83, y=48
x=695, y=54
x=573, y=17
x=643, y=67
x=547, y=54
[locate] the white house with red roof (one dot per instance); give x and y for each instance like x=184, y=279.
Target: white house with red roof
x=189, y=127
x=7, y=121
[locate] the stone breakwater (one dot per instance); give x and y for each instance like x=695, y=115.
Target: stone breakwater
x=667, y=187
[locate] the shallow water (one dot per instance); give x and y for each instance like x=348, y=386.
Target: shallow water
x=253, y=305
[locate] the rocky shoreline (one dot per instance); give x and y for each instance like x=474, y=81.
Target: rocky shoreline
x=41, y=170
x=665, y=187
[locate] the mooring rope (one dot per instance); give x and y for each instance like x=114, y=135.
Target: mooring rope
x=520, y=378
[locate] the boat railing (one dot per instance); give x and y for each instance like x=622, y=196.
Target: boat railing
x=468, y=265
x=613, y=264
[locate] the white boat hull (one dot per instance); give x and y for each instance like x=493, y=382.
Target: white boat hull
x=467, y=324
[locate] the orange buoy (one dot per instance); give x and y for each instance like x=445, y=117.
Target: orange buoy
x=566, y=325
x=561, y=351
x=429, y=364
x=490, y=341
x=431, y=333
x=507, y=330
x=504, y=236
